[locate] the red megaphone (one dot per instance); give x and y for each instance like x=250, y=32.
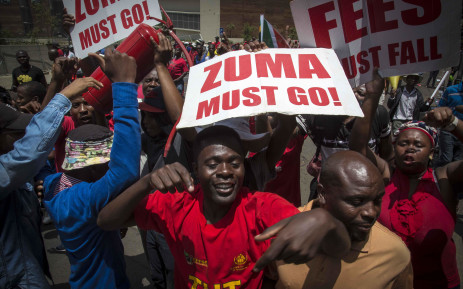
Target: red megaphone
x=137, y=45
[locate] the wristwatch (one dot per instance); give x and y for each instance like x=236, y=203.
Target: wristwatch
x=451, y=126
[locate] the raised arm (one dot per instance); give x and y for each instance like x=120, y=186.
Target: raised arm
x=125, y=152
x=360, y=134
x=280, y=138
x=442, y=117
x=62, y=69
x=119, y=212
x=30, y=152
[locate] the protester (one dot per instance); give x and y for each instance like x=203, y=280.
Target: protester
x=30, y=96
x=210, y=228
x=53, y=54
x=351, y=190
x=26, y=72
x=160, y=110
x=407, y=102
x=178, y=69
x=22, y=256
x=5, y=96
x=75, y=197
x=432, y=76
x=419, y=204
x=450, y=148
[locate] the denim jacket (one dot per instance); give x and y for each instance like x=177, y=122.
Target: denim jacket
x=22, y=254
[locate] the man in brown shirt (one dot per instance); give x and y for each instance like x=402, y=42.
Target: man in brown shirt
x=351, y=189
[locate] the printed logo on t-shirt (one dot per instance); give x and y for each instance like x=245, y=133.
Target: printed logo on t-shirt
x=241, y=262
x=23, y=78
x=199, y=284
x=192, y=260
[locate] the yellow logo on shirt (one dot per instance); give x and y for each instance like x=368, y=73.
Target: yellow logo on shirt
x=192, y=260
x=241, y=262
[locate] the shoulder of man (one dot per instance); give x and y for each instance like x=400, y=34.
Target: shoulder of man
x=390, y=246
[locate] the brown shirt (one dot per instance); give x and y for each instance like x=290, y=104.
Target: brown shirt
x=382, y=261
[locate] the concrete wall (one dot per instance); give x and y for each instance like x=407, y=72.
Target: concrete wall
x=37, y=53
x=210, y=19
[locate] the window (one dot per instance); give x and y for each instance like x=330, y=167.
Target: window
x=184, y=20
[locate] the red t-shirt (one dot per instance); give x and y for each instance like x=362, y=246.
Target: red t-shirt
x=219, y=255
x=66, y=127
x=177, y=67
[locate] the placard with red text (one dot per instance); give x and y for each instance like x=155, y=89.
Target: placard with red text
x=100, y=23
x=288, y=81
x=398, y=36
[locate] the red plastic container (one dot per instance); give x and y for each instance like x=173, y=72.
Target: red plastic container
x=137, y=45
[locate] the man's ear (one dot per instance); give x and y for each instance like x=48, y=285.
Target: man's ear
x=321, y=195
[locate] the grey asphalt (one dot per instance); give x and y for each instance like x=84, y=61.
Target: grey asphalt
x=137, y=266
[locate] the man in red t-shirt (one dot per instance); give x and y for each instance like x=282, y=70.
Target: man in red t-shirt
x=211, y=228
x=178, y=69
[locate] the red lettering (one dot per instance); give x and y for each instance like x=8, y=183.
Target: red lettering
x=205, y=108
x=407, y=54
x=364, y=65
x=309, y=64
x=254, y=99
x=104, y=30
x=92, y=6
x=79, y=15
x=104, y=3
x=317, y=16
x=235, y=100
x=270, y=91
x=137, y=13
x=433, y=48
x=210, y=83
x=145, y=6
x=299, y=98
x=85, y=39
x=421, y=53
x=374, y=55
x=245, y=69
x=431, y=10
x=377, y=15
x=348, y=20
x=113, y=24
x=126, y=19
x=392, y=49
x=318, y=96
x=334, y=96
x=264, y=61
x=95, y=33
x=349, y=70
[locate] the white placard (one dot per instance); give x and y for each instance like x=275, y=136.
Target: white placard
x=288, y=81
x=398, y=36
x=100, y=23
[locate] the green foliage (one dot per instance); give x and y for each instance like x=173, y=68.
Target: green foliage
x=292, y=33
x=249, y=31
x=230, y=27
x=44, y=21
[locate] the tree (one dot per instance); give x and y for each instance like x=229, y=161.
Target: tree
x=44, y=21
x=230, y=28
x=248, y=31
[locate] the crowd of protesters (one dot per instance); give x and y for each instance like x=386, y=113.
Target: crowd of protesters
x=222, y=207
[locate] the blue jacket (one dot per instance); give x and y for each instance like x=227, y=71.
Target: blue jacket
x=22, y=255
x=452, y=97
x=97, y=256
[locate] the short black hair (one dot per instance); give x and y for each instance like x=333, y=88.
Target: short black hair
x=89, y=132
x=217, y=135
x=34, y=88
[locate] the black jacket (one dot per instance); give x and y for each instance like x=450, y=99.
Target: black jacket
x=393, y=103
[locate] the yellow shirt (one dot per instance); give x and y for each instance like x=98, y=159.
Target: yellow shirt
x=382, y=261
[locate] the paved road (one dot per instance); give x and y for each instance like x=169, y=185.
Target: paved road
x=137, y=267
